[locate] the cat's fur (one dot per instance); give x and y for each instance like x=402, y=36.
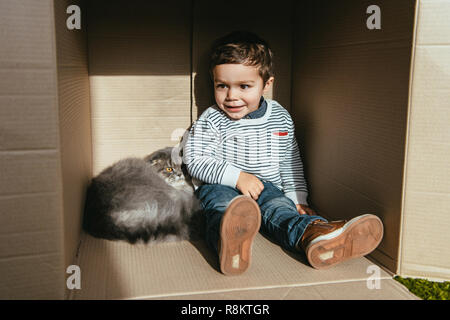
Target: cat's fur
x=138, y=199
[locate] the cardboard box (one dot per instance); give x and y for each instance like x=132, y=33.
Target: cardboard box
x=370, y=107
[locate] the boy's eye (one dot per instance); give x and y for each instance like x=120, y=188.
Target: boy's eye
x=168, y=169
x=221, y=86
x=245, y=86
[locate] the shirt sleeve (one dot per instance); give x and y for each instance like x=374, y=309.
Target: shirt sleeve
x=200, y=156
x=291, y=171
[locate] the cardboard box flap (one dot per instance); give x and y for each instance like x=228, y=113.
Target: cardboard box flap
x=425, y=215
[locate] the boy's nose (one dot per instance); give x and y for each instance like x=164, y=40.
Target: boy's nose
x=231, y=94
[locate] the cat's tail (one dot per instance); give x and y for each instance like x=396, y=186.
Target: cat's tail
x=95, y=218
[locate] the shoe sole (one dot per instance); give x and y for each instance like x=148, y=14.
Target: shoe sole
x=240, y=224
x=355, y=239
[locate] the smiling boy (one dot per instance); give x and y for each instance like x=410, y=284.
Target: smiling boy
x=244, y=152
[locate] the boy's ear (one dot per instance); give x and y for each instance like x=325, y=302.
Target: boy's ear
x=268, y=83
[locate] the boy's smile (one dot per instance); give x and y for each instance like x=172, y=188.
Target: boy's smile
x=238, y=89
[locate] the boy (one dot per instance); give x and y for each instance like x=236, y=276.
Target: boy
x=244, y=152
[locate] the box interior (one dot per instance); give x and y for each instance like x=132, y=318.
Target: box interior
x=369, y=106
x=135, y=77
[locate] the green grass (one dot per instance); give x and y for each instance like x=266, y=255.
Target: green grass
x=426, y=290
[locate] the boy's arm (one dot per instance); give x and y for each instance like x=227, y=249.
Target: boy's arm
x=291, y=170
x=199, y=155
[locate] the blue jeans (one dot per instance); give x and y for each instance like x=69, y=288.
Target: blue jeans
x=280, y=218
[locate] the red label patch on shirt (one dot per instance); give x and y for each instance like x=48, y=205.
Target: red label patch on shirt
x=280, y=133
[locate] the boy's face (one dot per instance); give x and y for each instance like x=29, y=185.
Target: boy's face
x=238, y=89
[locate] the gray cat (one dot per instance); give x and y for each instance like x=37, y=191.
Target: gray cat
x=149, y=199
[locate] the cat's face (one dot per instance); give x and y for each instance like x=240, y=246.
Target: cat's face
x=170, y=171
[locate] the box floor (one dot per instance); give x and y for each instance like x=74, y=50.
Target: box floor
x=189, y=270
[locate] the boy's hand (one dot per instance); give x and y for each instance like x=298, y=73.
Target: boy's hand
x=249, y=185
x=304, y=209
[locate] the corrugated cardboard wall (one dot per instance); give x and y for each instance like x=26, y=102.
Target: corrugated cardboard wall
x=426, y=215
x=139, y=70
x=31, y=231
x=74, y=120
x=350, y=99
x=141, y=55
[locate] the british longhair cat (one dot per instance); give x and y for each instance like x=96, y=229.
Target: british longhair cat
x=148, y=199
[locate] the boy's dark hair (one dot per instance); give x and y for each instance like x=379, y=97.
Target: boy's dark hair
x=245, y=48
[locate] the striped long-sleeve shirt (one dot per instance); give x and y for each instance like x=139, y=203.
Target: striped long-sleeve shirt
x=217, y=149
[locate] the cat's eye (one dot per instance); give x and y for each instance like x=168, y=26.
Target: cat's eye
x=168, y=169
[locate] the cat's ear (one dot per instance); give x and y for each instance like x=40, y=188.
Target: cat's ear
x=151, y=160
x=154, y=157
x=159, y=154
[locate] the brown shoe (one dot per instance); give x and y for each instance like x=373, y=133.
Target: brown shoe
x=327, y=244
x=240, y=224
